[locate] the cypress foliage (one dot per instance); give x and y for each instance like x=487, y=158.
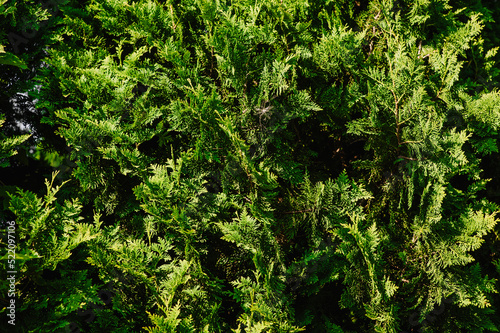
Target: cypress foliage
x=262, y=166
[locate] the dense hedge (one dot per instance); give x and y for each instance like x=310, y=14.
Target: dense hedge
x=251, y=166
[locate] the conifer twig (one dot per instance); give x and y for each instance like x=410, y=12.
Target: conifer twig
x=299, y=211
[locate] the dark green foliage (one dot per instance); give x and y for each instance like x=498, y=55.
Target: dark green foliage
x=259, y=166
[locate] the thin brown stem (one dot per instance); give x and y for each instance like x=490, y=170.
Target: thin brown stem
x=298, y=211
x=407, y=158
